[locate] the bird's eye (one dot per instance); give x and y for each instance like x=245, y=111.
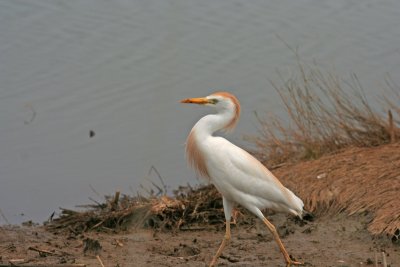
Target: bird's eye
x=214, y=101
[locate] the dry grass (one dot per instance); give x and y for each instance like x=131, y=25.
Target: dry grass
x=325, y=115
x=356, y=180
x=339, y=154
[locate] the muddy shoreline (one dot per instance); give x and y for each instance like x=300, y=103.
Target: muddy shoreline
x=327, y=241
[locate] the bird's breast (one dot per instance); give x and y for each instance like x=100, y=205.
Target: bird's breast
x=195, y=155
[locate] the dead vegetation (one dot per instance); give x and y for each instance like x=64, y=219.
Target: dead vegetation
x=354, y=181
x=189, y=209
x=340, y=144
x=326, y=114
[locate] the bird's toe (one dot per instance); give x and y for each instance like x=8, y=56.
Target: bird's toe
x=293, y=262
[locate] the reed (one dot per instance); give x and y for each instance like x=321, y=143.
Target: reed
x=325, y=114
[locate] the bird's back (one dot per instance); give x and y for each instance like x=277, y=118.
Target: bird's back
x=242, y=178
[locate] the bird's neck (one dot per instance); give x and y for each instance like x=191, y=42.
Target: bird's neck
x=201, y=132
x=212, y=123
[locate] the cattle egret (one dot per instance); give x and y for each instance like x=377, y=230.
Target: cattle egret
x=237, y=175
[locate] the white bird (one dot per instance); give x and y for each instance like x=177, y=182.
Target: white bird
x=237, y=175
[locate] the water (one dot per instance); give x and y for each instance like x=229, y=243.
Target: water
x=120, y=68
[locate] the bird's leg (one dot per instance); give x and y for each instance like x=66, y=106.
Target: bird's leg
x=226, y=239
x=228, y=206
x=288, y=260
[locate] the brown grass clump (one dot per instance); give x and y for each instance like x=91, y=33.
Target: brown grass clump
x=340, y=145
x=325, y=114
x=356, y=159
x=356, y=180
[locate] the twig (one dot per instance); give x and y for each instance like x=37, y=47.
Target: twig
x=119, y=243
x=98, y=224
x=45, y=251
x=114, y=203
x=68, y=211
x=50, y=219
x=164, y=190
x=193, y=228
x=16, y=261
x=42, y=251
x=98, y=203
x=376, y=259
x=149, y=192
x=384, y=259
x=101, y=263
x=277, y=166
x=4, y=217
x=94, y=190
x=11, y=246
x=160, y=190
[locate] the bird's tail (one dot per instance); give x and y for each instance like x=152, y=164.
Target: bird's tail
x=296, y=205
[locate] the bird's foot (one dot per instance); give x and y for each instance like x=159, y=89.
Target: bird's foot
x=293, y=262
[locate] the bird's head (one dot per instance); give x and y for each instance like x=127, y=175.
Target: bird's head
x=221, y=101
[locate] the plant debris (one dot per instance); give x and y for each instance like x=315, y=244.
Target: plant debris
x=189, y=209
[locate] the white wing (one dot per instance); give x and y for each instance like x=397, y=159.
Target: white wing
x=242, y=178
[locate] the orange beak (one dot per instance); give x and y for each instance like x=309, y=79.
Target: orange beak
x=199, y=101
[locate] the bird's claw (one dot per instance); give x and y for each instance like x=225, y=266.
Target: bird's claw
x=292, y=262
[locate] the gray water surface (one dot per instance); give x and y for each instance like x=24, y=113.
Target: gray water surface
x=119, y=69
